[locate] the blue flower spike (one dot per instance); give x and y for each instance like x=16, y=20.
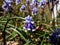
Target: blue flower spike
x=29, y=24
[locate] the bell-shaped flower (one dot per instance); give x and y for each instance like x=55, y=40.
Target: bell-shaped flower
x=41, y=4
x=34, y=11
x=31, y=5
x=5, y=7
x=7, y=2
x=28, y=19
x=35, y=2
x=32, y=26
x=22, y=8
x=17, y=2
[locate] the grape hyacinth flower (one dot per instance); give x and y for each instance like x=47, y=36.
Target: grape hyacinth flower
x=29, y=24
x=17, y=2
x=55, y=37
x=34, y=11
x=22, y=8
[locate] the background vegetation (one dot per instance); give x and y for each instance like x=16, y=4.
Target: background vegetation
x=12, y=23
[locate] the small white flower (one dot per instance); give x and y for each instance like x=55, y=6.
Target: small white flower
x=32, y=22
x=25, y=30
x=28, y=29
x=33, y=29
